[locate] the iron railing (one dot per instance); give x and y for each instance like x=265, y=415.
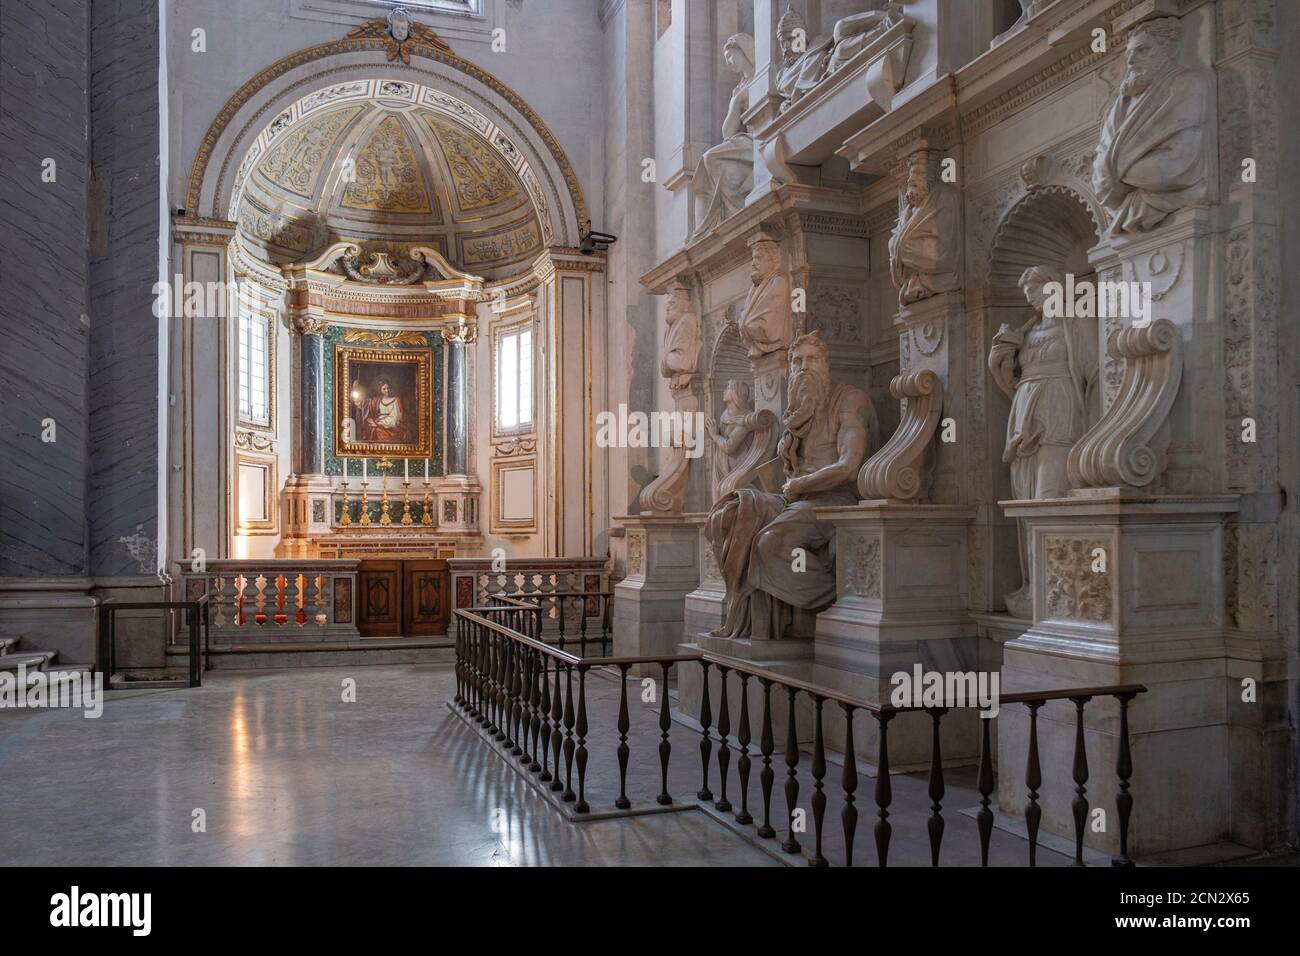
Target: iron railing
x=196, y=619
x=520, y=689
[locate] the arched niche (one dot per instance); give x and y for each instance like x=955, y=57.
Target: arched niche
x=1050, y=226
x=729, y=359
x=266, y=107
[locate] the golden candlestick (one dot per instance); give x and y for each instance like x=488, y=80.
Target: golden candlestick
x=427, y=520
x=384, y=519
x=365, y=505
x=406, y=503
x=345, y=519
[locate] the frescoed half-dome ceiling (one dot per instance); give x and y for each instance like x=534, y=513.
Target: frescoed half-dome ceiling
x=389, y=178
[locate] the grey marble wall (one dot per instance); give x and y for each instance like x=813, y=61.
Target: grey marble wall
x=78, y=259
x=44, y=113
x=124, y=226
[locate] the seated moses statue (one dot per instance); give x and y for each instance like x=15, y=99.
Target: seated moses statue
x=773, y=552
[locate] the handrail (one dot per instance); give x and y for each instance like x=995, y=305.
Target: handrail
x=504, y=683
x=198, y=614
x=776, y=677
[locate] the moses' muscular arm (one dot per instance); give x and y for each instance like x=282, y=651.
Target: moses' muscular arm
x=850, y=442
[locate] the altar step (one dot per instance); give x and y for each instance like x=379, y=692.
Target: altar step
x=289, y=654
x=12, y=657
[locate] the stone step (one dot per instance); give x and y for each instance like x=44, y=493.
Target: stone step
x=435, y=650
x=32, y=660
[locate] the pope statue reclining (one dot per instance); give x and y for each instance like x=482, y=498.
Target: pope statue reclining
x=773, y=552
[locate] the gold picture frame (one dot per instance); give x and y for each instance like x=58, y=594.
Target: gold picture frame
x=373, y=393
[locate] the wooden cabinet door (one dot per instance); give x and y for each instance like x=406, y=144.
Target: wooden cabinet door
x=428, y=597
x=379, y=605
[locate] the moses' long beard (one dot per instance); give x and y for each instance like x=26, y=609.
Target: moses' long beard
x=1136, y=81
x=808, y=395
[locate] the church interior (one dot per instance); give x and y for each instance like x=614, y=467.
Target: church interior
x=744, y=433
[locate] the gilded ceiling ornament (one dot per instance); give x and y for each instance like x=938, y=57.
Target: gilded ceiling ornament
x=387, y=177
x=382, y=270
x=481, y=179
x=296, y=163
x=381, y=337
x=400, y=34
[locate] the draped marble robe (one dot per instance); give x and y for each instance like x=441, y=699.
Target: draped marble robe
x=767, y=321
x=923, y=249
x=1151, y=155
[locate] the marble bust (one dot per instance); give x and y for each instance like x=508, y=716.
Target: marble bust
x=1151, y=154
x=681, y=339
x=755, y=533
x=1048, y=367
x=725, y=173
x=924, y=246
x=767, y=320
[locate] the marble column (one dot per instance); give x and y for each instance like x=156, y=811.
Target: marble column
x=310, y=459
x=456, y=338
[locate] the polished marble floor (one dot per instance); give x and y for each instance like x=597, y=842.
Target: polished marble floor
x=286, y=772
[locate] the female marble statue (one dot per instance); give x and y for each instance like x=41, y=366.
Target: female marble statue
x=743, y=437
x=725, y=173
x=1048, y=368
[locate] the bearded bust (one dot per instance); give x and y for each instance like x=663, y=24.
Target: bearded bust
x=1151, y=154
x=923, y=248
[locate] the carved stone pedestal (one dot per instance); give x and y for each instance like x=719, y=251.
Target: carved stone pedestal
x=307, y=512
x=900, y=574
x=457, y=502
x=663, y=566
x=1127, y=588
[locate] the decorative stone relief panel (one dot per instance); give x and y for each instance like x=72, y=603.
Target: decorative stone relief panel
x=1250, y=335
x=1250, y=576
x=636, y=553
x=859, y=551
x=836, y=309
x=1073, y=590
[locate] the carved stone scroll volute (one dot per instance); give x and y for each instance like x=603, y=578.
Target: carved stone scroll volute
x=901, y=470
x=1127, y=446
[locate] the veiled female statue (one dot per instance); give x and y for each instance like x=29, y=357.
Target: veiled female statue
x=725, y=173
x=1048, y=368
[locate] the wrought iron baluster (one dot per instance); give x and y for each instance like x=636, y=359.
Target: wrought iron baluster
x=568, y=795
x=706, y=745
x=884, y=791
x=665, y=748
x=724, y=728
x=623, y=803
x=935, y=824
x=791, y=844
x=818, y=796
x=557, y=714
x=581, y=729
x=984, y=818
x=1124, y=770
x=849, y=780
x=1033, y=780
x=1080, y=802
x=766, y=776
x=742, y=765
